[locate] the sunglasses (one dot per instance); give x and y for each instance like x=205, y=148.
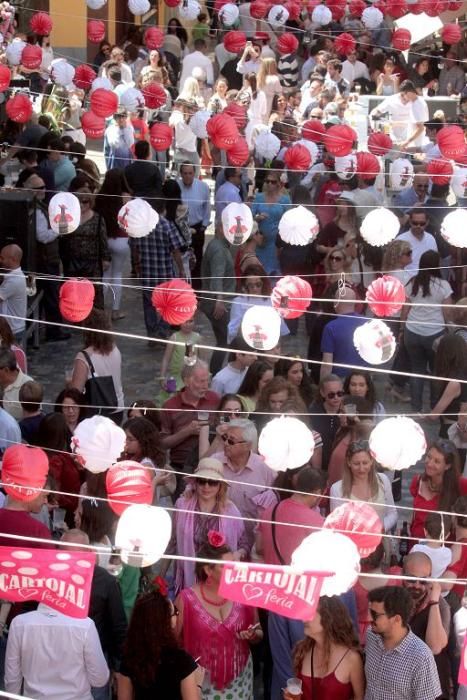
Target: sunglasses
x=374, y=615
x=335, y=258
x=271, y=182
x=207, y=482
x=415, y=581
x=333, y=394
x=420, y=224
x=230, y=441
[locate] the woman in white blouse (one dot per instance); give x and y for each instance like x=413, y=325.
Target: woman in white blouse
x=268, y=81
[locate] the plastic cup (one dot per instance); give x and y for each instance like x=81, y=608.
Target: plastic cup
x=294, y=687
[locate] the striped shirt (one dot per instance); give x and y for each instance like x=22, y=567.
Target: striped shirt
x=407, y=672
x=288, y=70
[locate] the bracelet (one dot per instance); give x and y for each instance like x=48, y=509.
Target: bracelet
x=433, y=602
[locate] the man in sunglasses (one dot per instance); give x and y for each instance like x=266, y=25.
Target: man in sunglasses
x=398, y=664
x=431, y=618
x=417, y=237
x=326, y=420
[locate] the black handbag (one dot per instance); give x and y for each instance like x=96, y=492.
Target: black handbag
x=99, y=392
x=273, y=533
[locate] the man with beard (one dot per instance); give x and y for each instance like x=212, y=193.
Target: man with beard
x=431, y=618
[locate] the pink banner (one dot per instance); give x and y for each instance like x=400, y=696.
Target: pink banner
x=463, y=664
x=284, y=592
x=56, y=578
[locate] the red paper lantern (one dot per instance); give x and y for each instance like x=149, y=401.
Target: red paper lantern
x=96, y=31
x=153, y=38
x=291, y=296
x=397, y=9
x=154, y=95
x=19, y=108
x=380, y=5
x=104, y=102
x=258, y=9
x=239, y=153
x=238, y=113
x=235, y=41
x=339, y=140
x=24, y=470
x=311, y=4
x=454, y=5
x=287, y=43
x=84, y=76
x=222, y=130
x=451, y=141
x=356, y=8
x=451, y=33
x=368, y=166
x=41, y=24
x=337, y=8
x=175, y=301
x=160, y=136
x=31, y=56
x=440, y=171
x=386, y=296
x=344, y=43
x=130, y=482
x=461, y=159
x=76, y=299
x=172, y=3
x=401, y=39
x=379, y=143
x=294, y=9
x=93, y=125
x=434, y=9
x=313, y=130
x=297, y=157
x=358, y=521
x=5, y=77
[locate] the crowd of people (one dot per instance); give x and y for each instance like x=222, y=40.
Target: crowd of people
x=166, y=631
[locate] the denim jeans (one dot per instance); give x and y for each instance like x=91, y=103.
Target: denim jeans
x=156, y=327
x=421, y=353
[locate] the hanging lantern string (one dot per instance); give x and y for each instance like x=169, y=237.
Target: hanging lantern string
x=203, y=346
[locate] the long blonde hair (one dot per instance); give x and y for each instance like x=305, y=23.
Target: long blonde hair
x=347, y=478
x=268, y=67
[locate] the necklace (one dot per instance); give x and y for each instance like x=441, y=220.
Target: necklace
x=432, y=487
x=207, y=600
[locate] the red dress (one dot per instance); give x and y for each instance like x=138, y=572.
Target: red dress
x=327, y=687
x=419, y=516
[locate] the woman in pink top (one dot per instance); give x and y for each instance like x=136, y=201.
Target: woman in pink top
x=217, y=631
x=7, y=340
x=328, y=661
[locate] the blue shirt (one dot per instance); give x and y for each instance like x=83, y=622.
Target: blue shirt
x=197, y=197
x=338, y=340
x=267, y=254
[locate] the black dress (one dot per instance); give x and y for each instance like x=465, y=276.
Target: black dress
x=174, y=666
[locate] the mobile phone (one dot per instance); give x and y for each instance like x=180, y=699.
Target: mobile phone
x=58, y=518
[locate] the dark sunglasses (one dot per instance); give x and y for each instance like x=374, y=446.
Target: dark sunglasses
x=336, y=258
x=231, y=441
x=271, y=182
x=333, y=394
x=207, y=482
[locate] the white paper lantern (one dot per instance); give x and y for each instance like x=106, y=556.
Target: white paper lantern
x=237, y=223
x=267, y=145
x=311, y=147
x=132, y=99
x=261, y=327
x=380, y=226
x=13, y=52
x=62, y=72
x=189, y=9
x=137, y=218
x=372, y=17
x=286, y=443
x=143, y=533
x=298, y=226
x=327, y=550
x=96, y=4
x=397, y=443
x=374, y=342
x=459, y=182
x=346, y=166
x=98, y=442
x=228, y=14
x=454, y=228
x=321, y=15
x=103, y=83
x=401, y=174
x=198, y=123
x=278, y=15
x=64, y=213
x=139, y=7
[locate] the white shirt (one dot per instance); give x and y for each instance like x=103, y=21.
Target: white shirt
x=196, y=59
x=184, y=137
x=59, y=657
x=354, y=71
x=13, y=299
x=383, y=502
x=404, y=117
x=228, y=380
x=440, y=557
x=248, y=66
x=426, y=316
x=419, y=246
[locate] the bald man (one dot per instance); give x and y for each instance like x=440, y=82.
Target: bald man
x=337, y=346
x=13, y=296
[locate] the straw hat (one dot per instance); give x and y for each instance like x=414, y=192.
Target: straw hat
x=209, y=468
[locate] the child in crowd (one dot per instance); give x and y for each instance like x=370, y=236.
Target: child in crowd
x=174, y=357
x=200, y=29
x=228, y=380
x=436, y=530
x=31, y=395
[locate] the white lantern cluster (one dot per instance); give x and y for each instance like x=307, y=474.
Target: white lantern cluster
x=14, y=50
x=139, y=7
x=62, y=72
x=286, y=443
x=459, y=182
x=372, y=17
x=98, y=442
x=374, y=341
x=329, y=551
x=261, y=327
x=267, y=145
x=64, y=213
x=298, y=226
x=137, y=218
x=132, y=99
x=345, y=166
x=401, y=174
x=237, y=222
x=143, y=533
x=397, y=443
x=278, y=15
x=454, y=228
x=380, y=226
x=189, y=9
x=198, y=123
x=99, y=83
x=321, y=15
x=228, y=14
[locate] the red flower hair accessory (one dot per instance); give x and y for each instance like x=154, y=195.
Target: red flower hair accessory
x=216, y=539
x=160, y=585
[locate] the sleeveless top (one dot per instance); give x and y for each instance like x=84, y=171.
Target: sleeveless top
x=327, y=687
